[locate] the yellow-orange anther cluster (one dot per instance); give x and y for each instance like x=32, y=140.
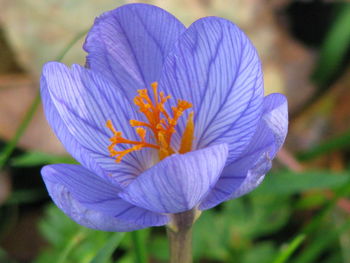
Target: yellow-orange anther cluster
x=159, y=121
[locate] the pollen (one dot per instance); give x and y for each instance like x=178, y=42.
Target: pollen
x=159, y=122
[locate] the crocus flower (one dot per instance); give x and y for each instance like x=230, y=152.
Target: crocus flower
x=163, y=119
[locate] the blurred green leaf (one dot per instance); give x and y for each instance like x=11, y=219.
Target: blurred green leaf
x=339, y=142
x=286, y=183
x=320, y=244
x=128, y=258
x=315, y=199
x=39, y=158
x=211, y=236
x=139, y=248
x=107, y=250
x=317, y=220
x=26, y=196
x=334, y=47
x=4, y=257
x=73, y=243
x=335, y=258
x=288, y=250
x=267, y=214
x=226, y=234
x=159, y=247
x=70, y=245
x=263, y=252
x=8, y=218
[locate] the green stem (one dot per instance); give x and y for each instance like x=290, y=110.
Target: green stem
x=139, y=247
x=180, y=237
x=11, y=145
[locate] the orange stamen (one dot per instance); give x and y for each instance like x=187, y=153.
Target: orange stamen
x=159, y=122
x=187, y=137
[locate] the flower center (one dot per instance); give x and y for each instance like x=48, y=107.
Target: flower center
x=159, y=122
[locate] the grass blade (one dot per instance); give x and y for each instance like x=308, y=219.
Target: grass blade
x=139, y=247
x=107, y=250
x=288, y=251
x=334, y=47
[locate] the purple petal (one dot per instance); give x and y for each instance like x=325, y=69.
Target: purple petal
x=72, y=186
x=241, y=177
x=179, y=182
x=214, y=66
x=276, y=118
x=86, y=217
x=83, y=155
x=129, y=45
x=82, y=102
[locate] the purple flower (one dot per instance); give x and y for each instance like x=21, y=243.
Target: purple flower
x=163, y=119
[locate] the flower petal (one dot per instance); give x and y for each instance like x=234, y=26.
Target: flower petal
x=179, y=182
x=277, y=121
x=73, y=186
x=240, y=177
x=214, y=66
x=83, y=101
x=129, y=45
x=83, y=155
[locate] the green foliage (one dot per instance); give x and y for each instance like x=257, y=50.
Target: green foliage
x=237, y=225
x=291, y=183
x=334, y=47
x=246, y=230
x=287, y=251
x=339, y=142
x=4, y=257
x=241, y=230
x=139, y=238
x=107, y=250
x=39, y=158
x=70, y=242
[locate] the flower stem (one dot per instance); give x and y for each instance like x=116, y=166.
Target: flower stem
x=180, y=237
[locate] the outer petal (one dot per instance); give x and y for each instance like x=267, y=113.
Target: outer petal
x=179, y=182
x=83, y=101
x=214, y=66
x=83, y=155
x=129, y=44
x=74, y=189
x=241, y=176
x=84, y=216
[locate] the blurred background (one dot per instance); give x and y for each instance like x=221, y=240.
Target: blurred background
x=300, y=213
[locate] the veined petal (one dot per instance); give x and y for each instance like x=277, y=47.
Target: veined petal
x=277, y=121
x=179, y=182
x=82, y=102
x=276, y=118
x=241, y=177
x=74, y=188
x=87, y=217
x=129, y=45
x=214, y=66
x=84, y=156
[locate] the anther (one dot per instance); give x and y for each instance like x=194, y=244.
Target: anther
x=159, y=122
